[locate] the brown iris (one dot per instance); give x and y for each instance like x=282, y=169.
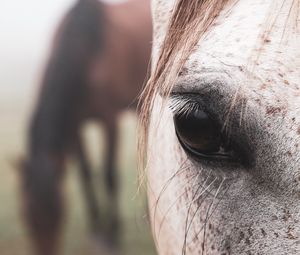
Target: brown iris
x=199, y=134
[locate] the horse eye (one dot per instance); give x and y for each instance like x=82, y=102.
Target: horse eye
x=200, y=135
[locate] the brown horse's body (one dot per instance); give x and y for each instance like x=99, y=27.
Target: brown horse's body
x=96, y=69
x=124, y=60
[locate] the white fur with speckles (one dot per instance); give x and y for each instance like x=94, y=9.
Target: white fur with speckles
x=257, y=210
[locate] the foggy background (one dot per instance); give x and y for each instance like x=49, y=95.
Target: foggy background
x=26, y=32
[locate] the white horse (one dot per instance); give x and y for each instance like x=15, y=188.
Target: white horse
x=221, y=118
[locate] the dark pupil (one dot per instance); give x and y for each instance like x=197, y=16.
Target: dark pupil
x=198, y=131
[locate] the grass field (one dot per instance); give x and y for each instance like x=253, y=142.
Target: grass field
x=76, y=240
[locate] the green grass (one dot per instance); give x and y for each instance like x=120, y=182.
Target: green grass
x=76, y=239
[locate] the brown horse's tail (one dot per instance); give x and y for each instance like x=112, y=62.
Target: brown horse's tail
x=54, y=122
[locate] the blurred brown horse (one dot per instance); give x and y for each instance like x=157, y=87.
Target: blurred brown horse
x=96, y=69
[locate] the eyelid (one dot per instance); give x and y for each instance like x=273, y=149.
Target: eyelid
x=213, y=88
x=203, y=82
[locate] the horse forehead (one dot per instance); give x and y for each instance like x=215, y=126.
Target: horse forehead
x=253, y=35
x=241, y=42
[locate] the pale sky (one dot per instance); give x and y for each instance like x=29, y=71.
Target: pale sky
x=26, y=29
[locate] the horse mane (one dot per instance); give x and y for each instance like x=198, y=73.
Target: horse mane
x=77, y=40
x=190, y=20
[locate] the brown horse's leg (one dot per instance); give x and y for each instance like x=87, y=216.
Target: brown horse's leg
x=111, y=179
x=89, y=192
x=43, y=203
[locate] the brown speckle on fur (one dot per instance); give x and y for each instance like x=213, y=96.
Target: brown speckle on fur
x=291, y=234
x=263, y=232
x=272, y=110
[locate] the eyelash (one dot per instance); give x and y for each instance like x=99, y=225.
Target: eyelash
x=183, y=106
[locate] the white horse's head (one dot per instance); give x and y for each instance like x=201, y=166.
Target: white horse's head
x=223, y=109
